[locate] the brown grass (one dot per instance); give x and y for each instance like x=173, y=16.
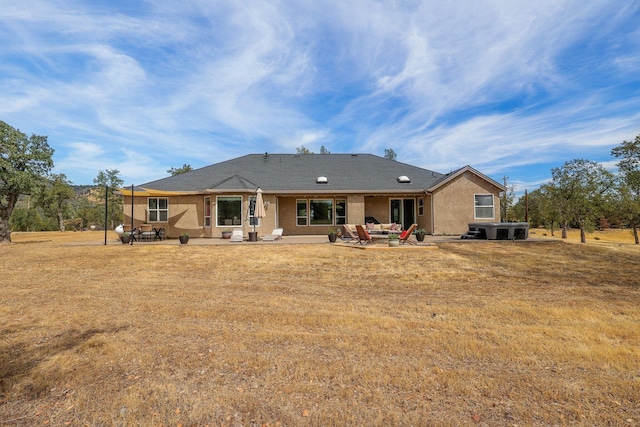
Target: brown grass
x=474, y=333
x=599, y=236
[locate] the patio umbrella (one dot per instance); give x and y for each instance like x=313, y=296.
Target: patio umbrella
x=259, y=211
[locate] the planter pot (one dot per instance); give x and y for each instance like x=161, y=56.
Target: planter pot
x=125, y=239
x=332, y=238
x=226, y=234
x=420, y=237
x=184, y=240
x=394, y=243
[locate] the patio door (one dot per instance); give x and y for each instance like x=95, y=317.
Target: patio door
x=403, y=211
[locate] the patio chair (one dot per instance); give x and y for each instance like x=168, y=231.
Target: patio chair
x=346, y=232
x=405, y=236
x=275, y=235
x=236, y=235
x=363, y=237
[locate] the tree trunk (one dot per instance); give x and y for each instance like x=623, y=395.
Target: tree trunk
x=564, y=230
x=635, y=234
x=60, y=221
x=583, y=235
x=5, y=231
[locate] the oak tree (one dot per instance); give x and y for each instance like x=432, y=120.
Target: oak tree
x=581, y=188
x=629, y=165
x=25, y=161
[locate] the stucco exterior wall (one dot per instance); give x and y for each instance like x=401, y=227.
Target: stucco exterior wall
x=355, y=209
x=454, y=204
x=287, y=215
x=377, y=207
x=186, y=215
x=425, y=220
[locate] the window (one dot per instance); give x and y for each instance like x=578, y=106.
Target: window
x=484, y=206
x=229, y=210
x=341, y=212
x=158, y=209
x=321, y=212
x=420, y=206
x=301, y=212
x=207, y=211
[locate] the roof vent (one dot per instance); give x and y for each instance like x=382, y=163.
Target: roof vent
x=322, y=180
x=403, y=179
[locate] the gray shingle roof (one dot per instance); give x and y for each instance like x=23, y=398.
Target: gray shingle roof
x=290, y=173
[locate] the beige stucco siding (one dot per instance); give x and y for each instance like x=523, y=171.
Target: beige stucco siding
x=425, y=220
x=453, y=205
x=186, y=215
x=355, y=208
x=377, y=207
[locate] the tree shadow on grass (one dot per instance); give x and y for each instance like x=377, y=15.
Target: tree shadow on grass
x=19, y=360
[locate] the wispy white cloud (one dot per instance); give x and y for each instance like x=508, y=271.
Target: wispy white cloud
x=504, y=86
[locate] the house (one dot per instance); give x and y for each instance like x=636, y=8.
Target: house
x=311, y=193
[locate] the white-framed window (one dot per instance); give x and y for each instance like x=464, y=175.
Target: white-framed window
x=341, y=211
x=228, y=211
x=484, y=206
x=207, y=211
x=420, y=206
x=158, y=208
x=301, y=212
x=321, y=212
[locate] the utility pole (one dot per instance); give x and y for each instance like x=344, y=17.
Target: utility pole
x=503, y=218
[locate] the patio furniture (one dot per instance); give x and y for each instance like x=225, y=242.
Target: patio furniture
x=146, y=233
x=237, y=235
x=363, y=237
x=275, y=235
x=346, y=232
x=159, y=233
x=405, y=236
x=133, y=231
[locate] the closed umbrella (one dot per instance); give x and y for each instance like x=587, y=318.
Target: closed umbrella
x=259, y=211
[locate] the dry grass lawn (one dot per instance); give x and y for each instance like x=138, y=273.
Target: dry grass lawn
x=474, y=333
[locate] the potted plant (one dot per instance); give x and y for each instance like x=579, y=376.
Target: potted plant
x=184, y=239
x=394, y=240
x=332, y=235
x=125, y=237
x=420, y=233
x=226, y=233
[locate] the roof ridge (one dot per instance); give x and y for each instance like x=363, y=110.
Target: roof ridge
x=240, y=178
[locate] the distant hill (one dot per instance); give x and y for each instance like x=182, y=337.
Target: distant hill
x=83, y=190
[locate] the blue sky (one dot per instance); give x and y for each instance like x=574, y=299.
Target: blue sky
x=512, y=88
